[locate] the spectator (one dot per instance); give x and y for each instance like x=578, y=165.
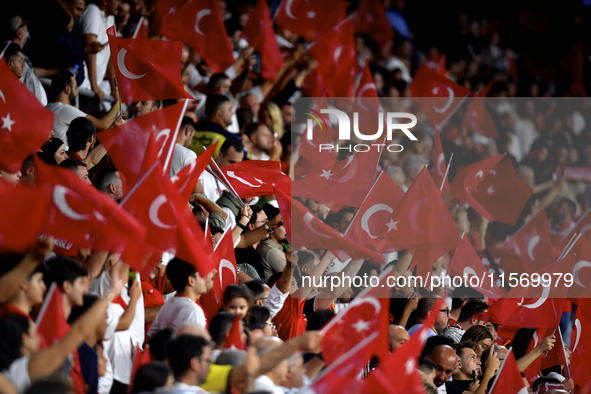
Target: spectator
x=424, y=309
x=398, y=336
x=466, y=319
x=261, y=140
x=237, y=300
x=54, y=151
x=108, y=181
x=271, y=249
x=182, y=155
x=79, y=168
x=190, y=364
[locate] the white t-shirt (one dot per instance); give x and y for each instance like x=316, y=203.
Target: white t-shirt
x=183, y=387
x=275, y=301
x=93, y=21
x=106, y=382
x=18, y=374
x=181, y=157
x=264, y=383
x=64, y=115
x=176, y=312
x=212, y=188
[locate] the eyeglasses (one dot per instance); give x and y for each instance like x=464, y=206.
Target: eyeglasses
x=21, y=60
x=445, y=310
x=272, y=325
x=261, y=221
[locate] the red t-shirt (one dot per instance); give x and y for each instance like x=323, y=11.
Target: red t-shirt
x=290, y=320
x=9, y=309
x=152, y=297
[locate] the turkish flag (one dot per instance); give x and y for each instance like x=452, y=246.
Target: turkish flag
x=440, y=164
x=234, y=338
x=23, y=214
x=532, y=242
x=556, y=356
x=581, y=354
x=534, y=306
x=51, y=322
x=199, y=24
x=466, y=263
x=366, y=314
x=344, y=184
x=477, y=118
x=141, y=31
x=254, y=178
x=87, y=217
x=163, y=9
x=342, y=375
x=422, y=222
x=582, y=227
x=373, y=221
x=170, y=227
x=309, y=148
x=305, y=229
x=212, y=300
x=141, y=358
x=127, y=144
x=147, y=69
x=337, y=59
x=502, y=194
x=508, y=378
x=310, y=19
x=25, y=124
x=397, y=373
x=187, y=178
x=366, y=105
x=581, y=270
x=259, y=33
x=372, y=20
x=438, y=95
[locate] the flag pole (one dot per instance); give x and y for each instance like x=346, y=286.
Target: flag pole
x=564, y=352
x=226, y=181
x=355, y=217
x=572, y=245
x=567, y=246
x=446, y=172
x=553, y=332
x=139, y=25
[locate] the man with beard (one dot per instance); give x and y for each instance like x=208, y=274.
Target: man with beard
x=64, y=91
x=424, y=310
x=108, y=181
x=261, y=139
x=271, y=249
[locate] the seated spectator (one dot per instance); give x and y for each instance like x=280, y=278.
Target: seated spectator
x=63, y=93
x=445, y=360
x=424, y=310
x=398, y=336
x=183, y=308
x=466, y=319
x=481, y=338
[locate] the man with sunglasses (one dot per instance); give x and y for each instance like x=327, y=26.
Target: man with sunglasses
x=425, y=309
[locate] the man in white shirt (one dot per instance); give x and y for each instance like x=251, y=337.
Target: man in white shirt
x=91, y=27
x=182, y=155
x=63, y=94
x=183, y=307
x=272, y=379
x=189, y=358
x=232, y=151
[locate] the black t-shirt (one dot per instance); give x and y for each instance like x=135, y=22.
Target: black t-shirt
x=462, y=384
x=450, y=388
x=316, y=319
x=250, y=256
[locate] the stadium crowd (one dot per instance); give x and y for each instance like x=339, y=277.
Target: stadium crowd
x=82, y=318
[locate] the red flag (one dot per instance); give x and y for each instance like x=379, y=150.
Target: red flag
x=310, y=19
x=141, y=358
x=345, y=184
x=127, y=144
x=51, y=322
x=234, y=338
x=147, y=69
x=25, y=123
x=502, y=193
x=307, y=230
x=165, y=8
x=422, y=222
x=339, y=377
x=372, y=20
x=508, y=378
x=373, y=221
x=309, y=149
x=580, y=359
x=534, y=306
x=477, y=118
x=199, y=24
x=23, y=214
x=186, y=179
x=439, y=164
x=212, y=300
x=141, y=30
x=254, y=178
x=532, y=242
x=398, y=372
x=582, y=227
x=581, y=272
x=259, y=33
x=367, y=104
x=337, y=59
x=467, y=264
x=359, y=320
x=170, y=227
x=444, y=95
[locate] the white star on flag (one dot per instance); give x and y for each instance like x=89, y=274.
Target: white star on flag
x=409, y=366
x=361, y=325
x=435, y=90
x=490, y=190
x=392, y=225
x=311, y=15
x=172, y=10
x=326, y=174
x=7, y=122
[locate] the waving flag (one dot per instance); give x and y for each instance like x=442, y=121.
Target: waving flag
x=532, y=242
x=51, y=322
x=372, y=20
x=25, y=124
x=234, y=338
x=477, y=118
x=147, y=69
x=254, y=178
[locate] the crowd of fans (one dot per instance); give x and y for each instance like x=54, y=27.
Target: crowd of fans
x=111, y=319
